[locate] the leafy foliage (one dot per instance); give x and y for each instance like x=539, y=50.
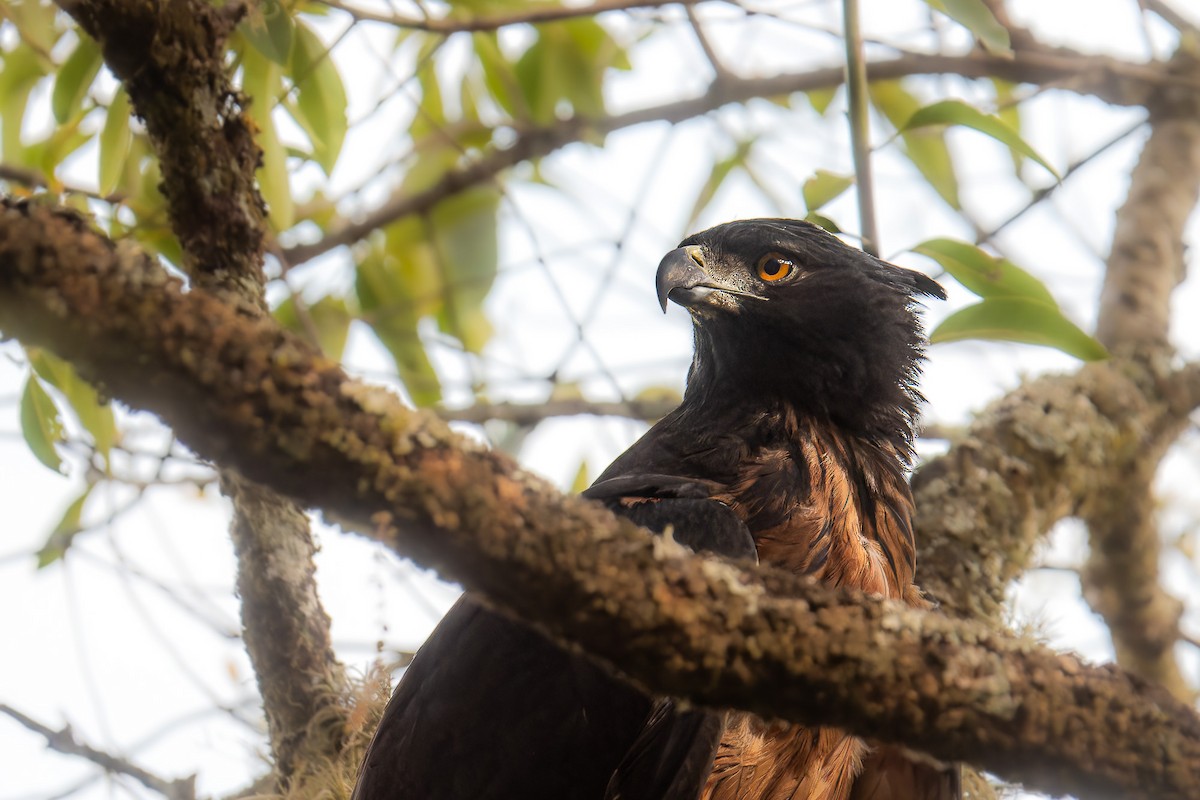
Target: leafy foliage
x=428, y=275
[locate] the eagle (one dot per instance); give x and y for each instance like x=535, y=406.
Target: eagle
x=790, y=447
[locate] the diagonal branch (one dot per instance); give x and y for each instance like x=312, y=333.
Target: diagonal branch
x=64, y=741
x=529, y=16
x=244, y=392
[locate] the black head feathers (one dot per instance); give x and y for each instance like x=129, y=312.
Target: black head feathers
x=784, y=312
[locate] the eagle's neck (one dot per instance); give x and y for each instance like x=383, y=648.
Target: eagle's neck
x=865, y=397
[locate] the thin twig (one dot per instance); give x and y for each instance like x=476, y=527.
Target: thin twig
x=1169, y=15
x=64, y=741
x=491, y=23
x=1113, y=81
x=1041, y=194
x=526, y=414
x=860, y=135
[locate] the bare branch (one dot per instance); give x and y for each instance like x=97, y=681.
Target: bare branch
x=528, y=414
x=860, y=127
x=1172, y=17
x=1117, y=82
x=64, y=741
x=244, y=392
x=530, y=16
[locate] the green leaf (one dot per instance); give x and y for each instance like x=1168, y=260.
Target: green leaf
x=94, y=414
x=465, y=231
x=69, y=525
x=580, y=482
x=983, y=273
x=720, y=171
x=975, y=16
x=956, y=112
x=62, y=141
x=320, y=107
x=820, y=99
x=34, y=20
x=269, y=28
x=40, y=423
x=926, y=149
x=261, y=80
x=823, y=187
x=329, y=316
x=115, y=142
x=498, y=76
x=1022, y=320
x=822, y=221
x=74, y=78
x=567, y=64
x=389, y=307
x=23, y=68
x=1007, y=109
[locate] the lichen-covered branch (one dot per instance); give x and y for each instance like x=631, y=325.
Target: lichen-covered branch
x=1146, y=263
x=1040, y=454
x=241, y=391
x=170, y=57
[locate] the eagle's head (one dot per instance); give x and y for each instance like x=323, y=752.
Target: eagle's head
x=784, y=312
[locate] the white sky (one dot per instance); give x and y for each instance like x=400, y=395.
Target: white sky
x=90, y=644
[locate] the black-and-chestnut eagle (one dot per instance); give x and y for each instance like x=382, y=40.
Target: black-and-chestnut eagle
x=790, y=446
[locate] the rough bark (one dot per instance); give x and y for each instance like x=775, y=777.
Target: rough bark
x=1121, y=578
x=243, y=392
x=170, y=56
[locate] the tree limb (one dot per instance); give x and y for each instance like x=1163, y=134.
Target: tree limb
x=1038, y=455
x=530, y=16
x=242, y=391
x=170, y=57
x=1117, y=82
x=529, y=414
x=64, y=741
x=1121, y=578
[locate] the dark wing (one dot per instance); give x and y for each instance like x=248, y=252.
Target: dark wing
x=491, y=709
x=673, y=752
x=891, y=773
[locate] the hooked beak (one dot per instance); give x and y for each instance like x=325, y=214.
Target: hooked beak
x=681, y=277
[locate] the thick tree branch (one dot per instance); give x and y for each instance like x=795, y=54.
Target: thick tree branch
x=1121, y=578
x=1042, y=453
x=64, y=741
x=1117, y=82
x=241, y=391
x=171, y=59
x=1146, y=262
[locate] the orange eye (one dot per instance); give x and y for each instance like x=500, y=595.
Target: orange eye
x=774, y=267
